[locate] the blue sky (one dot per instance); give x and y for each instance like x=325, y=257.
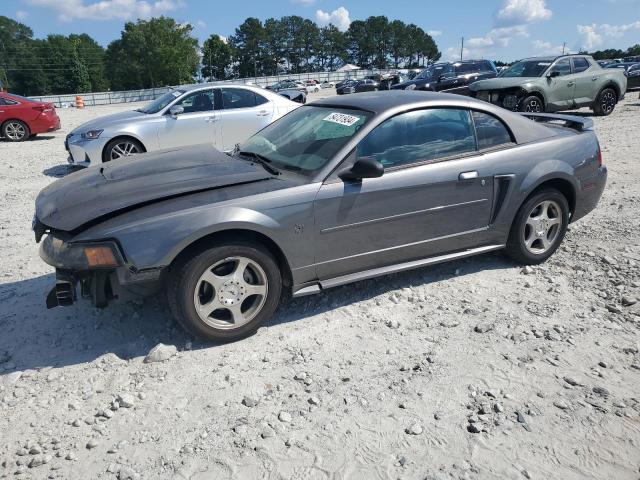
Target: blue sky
x=496, y=29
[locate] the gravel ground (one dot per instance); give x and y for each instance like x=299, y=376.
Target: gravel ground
x=476, y=369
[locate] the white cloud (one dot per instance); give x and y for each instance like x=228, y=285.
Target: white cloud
x=68, y=10
x=21, y=14
x=593, y=35
x=498, y=36
x=590, y=36
x=339, y=18
x=435, y=33
x=201, y=24
x=519, y=12
x=547, y=48
x=304, y=2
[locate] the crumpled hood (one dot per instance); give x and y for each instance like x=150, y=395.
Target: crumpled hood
x=84, y=196
x=500, y=83
x=108, y=120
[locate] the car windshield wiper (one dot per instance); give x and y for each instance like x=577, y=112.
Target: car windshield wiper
x=262, y=160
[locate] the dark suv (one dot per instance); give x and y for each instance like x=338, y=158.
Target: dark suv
x=450, y=77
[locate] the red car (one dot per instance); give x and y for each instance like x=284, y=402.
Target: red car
x=21, y=118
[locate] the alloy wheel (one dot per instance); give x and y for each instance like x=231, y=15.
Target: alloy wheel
x=533, y=106
x=15, y=131
x=543, y=226
x=123, y=149
x=231, y=292
x=608, y=101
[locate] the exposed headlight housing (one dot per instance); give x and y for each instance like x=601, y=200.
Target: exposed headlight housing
x=92, y=134
x=510, y=101
x=410, y=87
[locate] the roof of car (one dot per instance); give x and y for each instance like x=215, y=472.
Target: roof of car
x=379, y=102
x=388, y=103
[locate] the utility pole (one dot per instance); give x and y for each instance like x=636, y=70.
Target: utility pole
x=563, y=45
x=461, y=48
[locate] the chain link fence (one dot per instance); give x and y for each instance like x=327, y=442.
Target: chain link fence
x=108, y=98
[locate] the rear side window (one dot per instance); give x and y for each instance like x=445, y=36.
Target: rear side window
x=490, y=131
x=260, y=99
x=580, y=65
x=420, y=136
x=238, y=98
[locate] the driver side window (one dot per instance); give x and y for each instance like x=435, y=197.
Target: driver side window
x=202, y=101
x=420, y=136
x=562, y=68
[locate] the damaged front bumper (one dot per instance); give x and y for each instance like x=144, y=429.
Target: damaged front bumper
x=509, y=99
x=75, y=263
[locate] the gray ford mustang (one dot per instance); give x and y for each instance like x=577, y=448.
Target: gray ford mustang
x=339, y=190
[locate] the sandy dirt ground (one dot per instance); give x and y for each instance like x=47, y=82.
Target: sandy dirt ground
x=476, y=369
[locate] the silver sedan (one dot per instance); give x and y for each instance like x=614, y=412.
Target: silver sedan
x=220, y=115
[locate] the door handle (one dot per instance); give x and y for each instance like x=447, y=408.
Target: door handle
x=468, y=175
x=594, y=79
x=570, y=84
x=211, y=119
x=263, y=113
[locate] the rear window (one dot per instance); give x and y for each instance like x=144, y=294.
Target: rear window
x=580, y=65
x=490, y=131
x=464, y=68
x=238, y=98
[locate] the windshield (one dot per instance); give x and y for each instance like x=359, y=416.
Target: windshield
x=161, y=102
x=307, y=138
x=432, y=72
x=526, y=68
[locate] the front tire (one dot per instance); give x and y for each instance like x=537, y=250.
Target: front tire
x=531, y=104
x=539, y=227
x=605, y=102
x=226, y=292
x=15, y=131
x=120, y=148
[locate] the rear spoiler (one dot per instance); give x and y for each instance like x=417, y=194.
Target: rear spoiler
x=570, y=121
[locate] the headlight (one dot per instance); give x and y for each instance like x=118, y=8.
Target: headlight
x=92, y=134
x=410, y=87
x=510, y=101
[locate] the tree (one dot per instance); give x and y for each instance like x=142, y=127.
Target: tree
x=216, y=58
x=20, y=63
x=332, y=48
x=274, y=45
x=246, y=43
x=152, y=53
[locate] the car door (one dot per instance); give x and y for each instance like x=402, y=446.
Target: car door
x=586, y=81
x=560, y=85
x=196, y=125
x=434, y=196
x=243, y=112
x=4, y=115
x=633, y=76
x=446, y=79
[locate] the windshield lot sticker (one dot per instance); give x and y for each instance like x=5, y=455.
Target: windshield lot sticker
x=341, y=118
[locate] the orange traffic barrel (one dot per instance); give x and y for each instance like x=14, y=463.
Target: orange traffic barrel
x=79, y=102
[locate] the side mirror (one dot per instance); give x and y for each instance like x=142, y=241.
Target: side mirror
x=176, y=110
x=365, y=167
x=553, y=74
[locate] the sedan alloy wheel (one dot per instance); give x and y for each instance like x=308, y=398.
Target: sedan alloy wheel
x=15, y=131
x=231, y=292
x=543, y=227
x=123, y=148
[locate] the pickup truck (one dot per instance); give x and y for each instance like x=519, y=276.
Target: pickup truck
x=551, y=84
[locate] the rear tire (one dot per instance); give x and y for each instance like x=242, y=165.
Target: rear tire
x=210, y=294
x=15, y=131
x=531, y=104
x=605, y=102
x=539, y=227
